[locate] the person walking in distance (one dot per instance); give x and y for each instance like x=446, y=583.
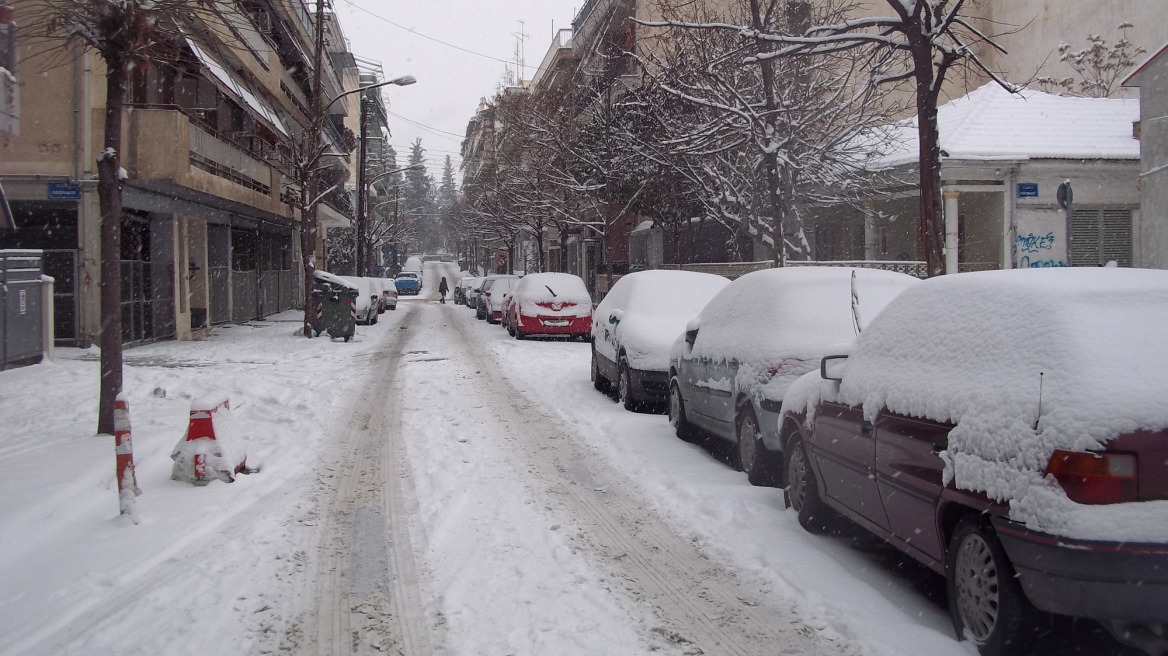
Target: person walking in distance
x=442, y=289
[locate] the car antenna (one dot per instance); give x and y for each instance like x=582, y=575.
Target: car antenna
x=1039, y=417
x=550, y=290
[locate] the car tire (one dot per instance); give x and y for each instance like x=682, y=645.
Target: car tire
x=803, y=490
x=599, y=382
x=749, y=452
x=985, y=599
x=510, y=329
x=624, y=386
x=681, y=425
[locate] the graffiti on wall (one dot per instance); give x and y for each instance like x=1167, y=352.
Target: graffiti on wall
x=1038, y=251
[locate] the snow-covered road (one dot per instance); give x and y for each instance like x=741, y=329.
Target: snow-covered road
x=432, y=487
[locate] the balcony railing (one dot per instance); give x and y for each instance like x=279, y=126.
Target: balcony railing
x=227, y=161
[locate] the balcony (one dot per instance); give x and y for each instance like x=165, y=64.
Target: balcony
x=165, y=150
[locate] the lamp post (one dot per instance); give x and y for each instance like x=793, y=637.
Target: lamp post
x=402, y=81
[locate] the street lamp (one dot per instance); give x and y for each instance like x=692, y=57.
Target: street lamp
x=402, y=81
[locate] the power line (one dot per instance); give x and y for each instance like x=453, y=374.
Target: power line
x=430, y=38
x=440, y=133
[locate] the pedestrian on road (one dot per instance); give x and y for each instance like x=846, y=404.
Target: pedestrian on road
x=442, y=289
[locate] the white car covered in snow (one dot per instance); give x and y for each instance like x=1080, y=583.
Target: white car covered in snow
x=635, y=326
x=731, y=367
x=1009, y=429
x=368, y=298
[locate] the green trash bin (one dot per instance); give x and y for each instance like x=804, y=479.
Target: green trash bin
x=336, y=300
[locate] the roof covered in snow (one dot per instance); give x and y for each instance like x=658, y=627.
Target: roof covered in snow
x=992, y=123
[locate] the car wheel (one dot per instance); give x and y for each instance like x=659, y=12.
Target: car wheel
x=624, y=386
x=599, y=382
x=681, y=425
x=748, y=447
x=803, y=490
x=985, y=598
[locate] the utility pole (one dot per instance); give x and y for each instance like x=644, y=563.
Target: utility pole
x=312, y=154
x=362, y=201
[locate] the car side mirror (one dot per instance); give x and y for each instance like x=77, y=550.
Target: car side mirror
x=615, y=317
x=831, y=367
x=691, y=336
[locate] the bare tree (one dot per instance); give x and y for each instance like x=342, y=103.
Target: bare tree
x=920, y=42
x=1100, y=68
x=124, y=33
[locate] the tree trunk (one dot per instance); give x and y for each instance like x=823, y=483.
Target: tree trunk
x=109, y=195
x=931, y=227
x=770, y=157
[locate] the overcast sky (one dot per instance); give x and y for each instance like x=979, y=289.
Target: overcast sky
x=430, y=40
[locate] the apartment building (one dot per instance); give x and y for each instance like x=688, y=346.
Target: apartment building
x=209, y=230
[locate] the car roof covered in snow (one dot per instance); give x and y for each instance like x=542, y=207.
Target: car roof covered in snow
x=791, y=312
x=548, y=287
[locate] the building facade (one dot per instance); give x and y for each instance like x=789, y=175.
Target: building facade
x=210, y=233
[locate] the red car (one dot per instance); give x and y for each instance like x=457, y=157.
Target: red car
x=550, y=304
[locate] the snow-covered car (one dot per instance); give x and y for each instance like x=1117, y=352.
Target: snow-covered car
x=461, y=287
x=550, y=304
x=504, y=316
x=388, y=292
x=635, y=325
x=729, y=370
x=494, y=287
x=408, y=282
x=367, y=301
x=414, y=263
x=1008, y=429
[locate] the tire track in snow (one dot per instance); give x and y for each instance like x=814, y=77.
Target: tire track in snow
x=367, y=591
x=699, y=602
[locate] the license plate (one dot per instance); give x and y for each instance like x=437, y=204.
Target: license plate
x=555, y=322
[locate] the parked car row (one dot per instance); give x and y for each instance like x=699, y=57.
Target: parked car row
x=548, y=304
x=376, y=296
x=1008, y=429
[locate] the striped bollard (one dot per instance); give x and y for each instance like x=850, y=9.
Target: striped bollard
x=124, y=448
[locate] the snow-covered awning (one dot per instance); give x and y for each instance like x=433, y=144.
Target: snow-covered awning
x=990, y=123
x=233, y=87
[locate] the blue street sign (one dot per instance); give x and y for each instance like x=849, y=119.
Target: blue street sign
x=1027, y=190
x=64, y=191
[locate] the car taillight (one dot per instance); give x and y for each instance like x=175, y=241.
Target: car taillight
x=1095, y=478
x=487, y=294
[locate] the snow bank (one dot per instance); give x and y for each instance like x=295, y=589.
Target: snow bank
x=972, y=349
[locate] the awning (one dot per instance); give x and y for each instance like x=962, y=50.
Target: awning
x=231, y=86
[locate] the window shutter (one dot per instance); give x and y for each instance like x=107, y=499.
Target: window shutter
x=1100, y=235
